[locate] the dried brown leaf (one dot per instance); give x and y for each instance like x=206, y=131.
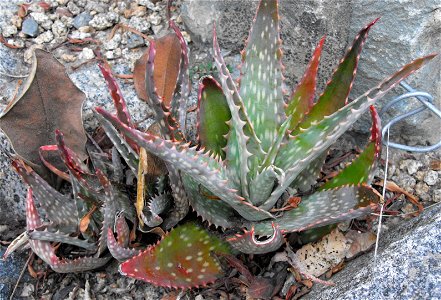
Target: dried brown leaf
x=49, y=100
x=166, y=71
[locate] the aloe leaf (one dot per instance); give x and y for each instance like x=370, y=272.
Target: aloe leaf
x=302, y=99
x=122, y=230
x=180, y=204
x=360, y=169
x=213, y=116
x=181, y=260
x=179, y=102
x=76, y=167
x=108, y=210
x=157, y=205
x=262, y=185
x=272, y=152
x=42, y=249
x=118, y=251
x=308, y=176
x=168, y=127
x=239, y=149
x=300, y=150
x=79, y=264
x=208, y=207
x=323, y=208
x=338, y=88
x=59, y=209
x=126, y=151
x=261, y=78
x=247, y=242
x=60, y=237
x=205, y=170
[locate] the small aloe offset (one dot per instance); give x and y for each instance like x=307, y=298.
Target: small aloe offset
x=252, y=170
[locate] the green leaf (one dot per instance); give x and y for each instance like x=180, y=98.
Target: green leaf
x=209, y=207
x=337, y=91
x=261, y=80
x=213, y=115
x=59, y=209
x=359, y=170
x=302, y=99
x=323, y=208
x=181, y=260
x=301, y=150
x=202, y=168
x=242, y=137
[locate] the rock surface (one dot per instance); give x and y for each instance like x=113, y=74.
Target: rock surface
x=408, y=265
x=407, y=30
x=303, y=23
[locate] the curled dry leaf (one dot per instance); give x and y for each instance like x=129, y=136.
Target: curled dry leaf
x=167, y=64
x=49, y=100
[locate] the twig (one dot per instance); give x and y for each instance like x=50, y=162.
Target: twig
x=406, y=214
x=20, y=276
x=127, y=28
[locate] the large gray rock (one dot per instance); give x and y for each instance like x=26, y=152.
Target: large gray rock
x=407, y=30
x=408, y=265
x=303, y=23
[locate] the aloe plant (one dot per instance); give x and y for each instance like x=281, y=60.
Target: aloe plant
x=252, y=169
x=253, y=145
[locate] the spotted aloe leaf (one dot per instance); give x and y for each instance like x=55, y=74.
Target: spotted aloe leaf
x=181, y=205
x=118, y=251
x=299, y=151
x=359, y=171
x=42, y=249
x=242, y=139
x=117, y=97
x=323, y=208
x=126, y=151
x=59, y=209
x=182, y=259
x=302, y=98
x=261, y=78
x=337, y=90
x=182, y=92
x=156, y=206
x=61, y=237
x=248, y=243
x=208, y=206
x=169, y=128
x=109, y=210
x=80, y=264
x=211, y=174
x=122, y=230
x=213, y=116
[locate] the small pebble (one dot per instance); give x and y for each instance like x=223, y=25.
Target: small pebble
x=16, y=21
x=431, y=177
x=73, y=8
x=134, y=41
x=59, y=29
x=86, y=54
x=30, y=27
x=44, y=37
x=100, y=22
x=154, y=19
x=437, y=195
x=9, y=30
x=139, y=24
x=68, y=57
x=82, y=20
x=410, y=165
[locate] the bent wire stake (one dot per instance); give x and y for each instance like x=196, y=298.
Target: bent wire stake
x=427, y=100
